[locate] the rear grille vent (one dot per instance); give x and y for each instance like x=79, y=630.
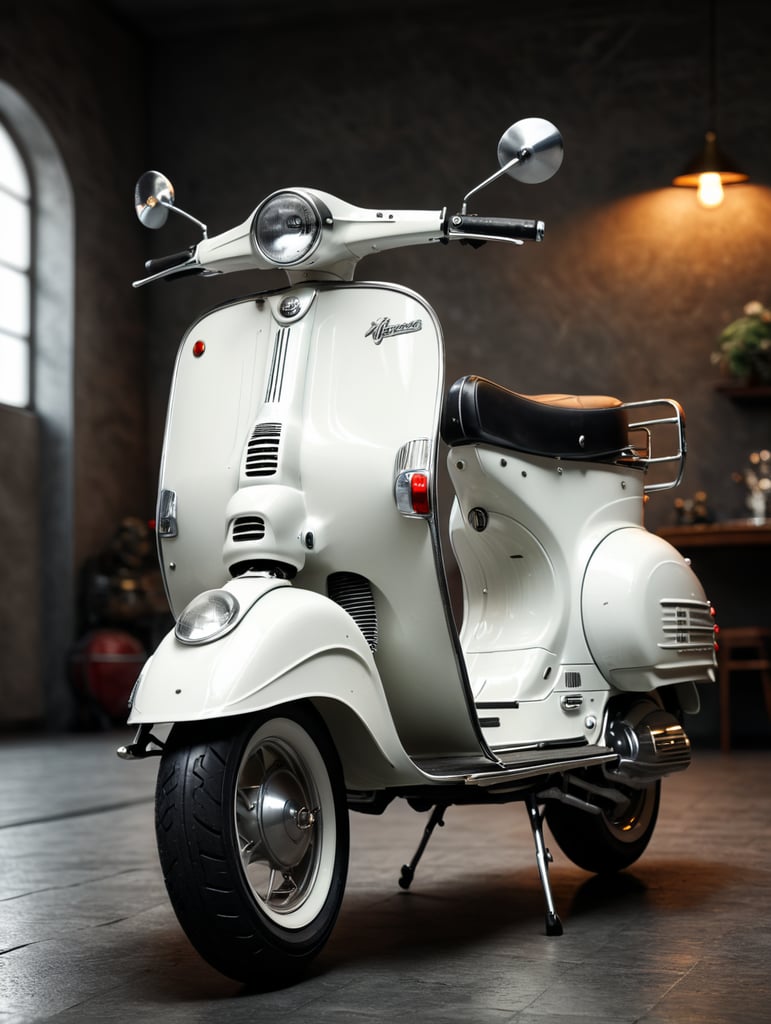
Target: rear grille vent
x=262, y=450
x=247, y=528
x=687, y=626
x=572, y=680
x=354, y=593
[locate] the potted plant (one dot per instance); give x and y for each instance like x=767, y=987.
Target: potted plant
x=744, y=346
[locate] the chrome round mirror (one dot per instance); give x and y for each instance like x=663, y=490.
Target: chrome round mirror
x=153, y=196
x=531, y=150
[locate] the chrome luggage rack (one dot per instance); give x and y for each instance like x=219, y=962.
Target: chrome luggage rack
x=641, y=448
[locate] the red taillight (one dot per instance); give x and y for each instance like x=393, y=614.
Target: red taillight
x=199, y=348
x=419, y=494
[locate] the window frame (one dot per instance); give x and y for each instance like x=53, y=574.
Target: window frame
x=30, y=203
x=53, y=378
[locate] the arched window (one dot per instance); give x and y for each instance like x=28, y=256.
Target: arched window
x=37, y=344
x=15, y=273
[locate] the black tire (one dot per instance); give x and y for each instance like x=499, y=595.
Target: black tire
x=611, y=840
x=252, y=832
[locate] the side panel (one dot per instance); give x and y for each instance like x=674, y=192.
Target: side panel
x=343, y=383
x=212, y=406
x=377, y=378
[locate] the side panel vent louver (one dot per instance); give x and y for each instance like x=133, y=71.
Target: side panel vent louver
x=687, y=626
x=247, y=528
x=262, y=450
x=354, y=593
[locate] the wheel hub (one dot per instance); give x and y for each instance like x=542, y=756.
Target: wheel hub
x=285, y=821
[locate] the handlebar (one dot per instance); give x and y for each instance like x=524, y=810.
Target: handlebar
x=492, y=228
x=175, y=259
x=344, y=234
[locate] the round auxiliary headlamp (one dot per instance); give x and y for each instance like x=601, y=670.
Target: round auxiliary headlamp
x=208, y=617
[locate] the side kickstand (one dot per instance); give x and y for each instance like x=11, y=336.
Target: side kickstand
x=543, y=858
x=408, y=870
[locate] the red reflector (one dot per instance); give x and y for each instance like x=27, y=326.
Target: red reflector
x=199, y=348
x=419, y=494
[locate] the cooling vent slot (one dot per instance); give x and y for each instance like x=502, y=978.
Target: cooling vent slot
x=572, y=679
x=247, y=528
x=687, y=626
x=262, y=450
x=354, y=593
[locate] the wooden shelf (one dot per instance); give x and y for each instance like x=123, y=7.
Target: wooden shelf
x=736, y=533
x=745, y=392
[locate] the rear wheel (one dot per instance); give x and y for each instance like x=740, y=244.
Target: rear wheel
x=612, y=839
x=252, y=831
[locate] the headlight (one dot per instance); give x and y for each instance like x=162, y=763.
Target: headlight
x=287, y=228
x=207, y=617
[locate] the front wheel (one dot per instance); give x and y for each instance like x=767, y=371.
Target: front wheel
x=612, y=839
x=252, y=831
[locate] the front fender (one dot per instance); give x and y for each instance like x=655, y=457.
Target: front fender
x=290, y=645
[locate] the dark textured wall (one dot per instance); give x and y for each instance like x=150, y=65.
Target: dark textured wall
x=402, y=104
x=85, y=77
x=21, y=694
x=82, y=74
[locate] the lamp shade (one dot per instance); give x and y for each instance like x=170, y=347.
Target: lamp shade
x=710, y=160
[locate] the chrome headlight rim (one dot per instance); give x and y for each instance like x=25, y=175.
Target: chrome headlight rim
x=320, y=215
x=208, y=617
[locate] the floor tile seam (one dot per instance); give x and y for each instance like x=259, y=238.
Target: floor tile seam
x=572, y=966
x=94, y=880
x=309, y=1003
x=683, y=976
x=72, y=930
x=80, y=813
x=680, y=976
x=78, y=1004
x=470, y=1005
x=21, y=945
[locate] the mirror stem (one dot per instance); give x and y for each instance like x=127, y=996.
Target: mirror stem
x=519, y=158
x=176, y=209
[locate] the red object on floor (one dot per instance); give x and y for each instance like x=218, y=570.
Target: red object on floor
x=105, y=666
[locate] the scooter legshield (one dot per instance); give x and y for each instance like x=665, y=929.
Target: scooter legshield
x=289, y=645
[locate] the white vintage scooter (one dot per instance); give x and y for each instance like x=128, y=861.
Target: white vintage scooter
x=315, y=665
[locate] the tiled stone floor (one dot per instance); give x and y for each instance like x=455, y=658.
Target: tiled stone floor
x=86, y=932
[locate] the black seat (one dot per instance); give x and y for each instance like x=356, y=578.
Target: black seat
x=560, y=426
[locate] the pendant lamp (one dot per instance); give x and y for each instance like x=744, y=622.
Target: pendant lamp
x=710, y=169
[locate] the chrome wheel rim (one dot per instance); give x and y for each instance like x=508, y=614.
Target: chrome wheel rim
x=631, y=817
x=284, y=816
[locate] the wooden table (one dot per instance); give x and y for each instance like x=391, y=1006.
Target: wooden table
x=733, y=533
x=733, y=561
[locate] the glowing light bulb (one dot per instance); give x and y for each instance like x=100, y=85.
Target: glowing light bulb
x=710, y=191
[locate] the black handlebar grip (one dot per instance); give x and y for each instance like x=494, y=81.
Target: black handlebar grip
x=176, y=259
x=497, y=227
